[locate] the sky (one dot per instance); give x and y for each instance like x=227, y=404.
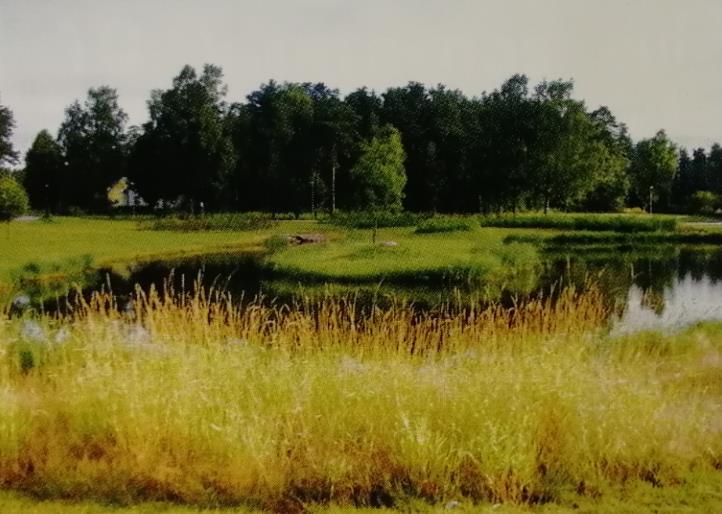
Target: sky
x=654, y=63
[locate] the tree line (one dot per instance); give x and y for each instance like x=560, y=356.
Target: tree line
x=292, y=147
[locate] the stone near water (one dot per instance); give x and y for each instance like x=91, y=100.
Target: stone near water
x=306, y=238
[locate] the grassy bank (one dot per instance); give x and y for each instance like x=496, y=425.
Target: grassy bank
x=431, y=252
x=50, y=246
x=195, y=401
x=401, y=256
x=620, y=223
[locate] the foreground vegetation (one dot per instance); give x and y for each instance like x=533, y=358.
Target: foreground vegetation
x=193, y=400
x=699, y=494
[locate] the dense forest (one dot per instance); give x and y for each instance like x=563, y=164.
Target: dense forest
x=296, y=147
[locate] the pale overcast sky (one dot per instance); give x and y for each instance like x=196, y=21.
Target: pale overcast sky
x=655, y=63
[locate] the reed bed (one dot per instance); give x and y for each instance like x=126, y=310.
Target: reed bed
x=200, y=398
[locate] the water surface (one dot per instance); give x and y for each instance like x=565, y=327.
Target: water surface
x=665, y=287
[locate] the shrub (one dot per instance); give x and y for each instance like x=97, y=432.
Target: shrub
x=276, y=243
x=704, y=202
x=13, y=199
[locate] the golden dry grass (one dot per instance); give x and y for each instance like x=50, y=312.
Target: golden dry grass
x=189, y=398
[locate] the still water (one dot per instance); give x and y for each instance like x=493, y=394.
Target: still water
x=685, y=301
x=664, y=287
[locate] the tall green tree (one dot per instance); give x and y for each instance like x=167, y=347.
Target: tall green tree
x=685, y=183
x=92, y=137
x=699, y=170
x=335, y=139
x=653, y=168
x=282, y=153
x=367, y=106
x=186, y=151
x=407, y=109
x=502, y=145
x=7, y=123
x=379, y=176
x=564, y=161
x=714, y=167
x=611, y=152
x=449, y=117
x=43, y=172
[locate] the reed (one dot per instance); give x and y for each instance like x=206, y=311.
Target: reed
x=199, y=398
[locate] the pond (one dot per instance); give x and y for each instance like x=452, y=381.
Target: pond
x=660, y=287
x=663, y=287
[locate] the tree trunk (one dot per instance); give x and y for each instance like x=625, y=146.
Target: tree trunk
x=333, y=180
x=313, y=195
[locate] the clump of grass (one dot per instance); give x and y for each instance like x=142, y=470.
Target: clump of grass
x=276, y=243
x=212, y=222
x=196, y=399
x=44, y=280
x=439, y=224
x=378, y=219
x=591, y=222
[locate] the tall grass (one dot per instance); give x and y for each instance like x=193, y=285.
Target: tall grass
x=192, y=398
x=592, y=222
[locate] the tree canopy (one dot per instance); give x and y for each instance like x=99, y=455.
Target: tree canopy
x=379, y=176
x=292, y=147
x=7, y=123
x=93, y=140
x=43, y=172
x=185, y=150
x=654, y=165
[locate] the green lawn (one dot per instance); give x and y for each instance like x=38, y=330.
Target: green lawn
x=66, y=244
x=399, y=256
x=104, y=239
x=401, y=253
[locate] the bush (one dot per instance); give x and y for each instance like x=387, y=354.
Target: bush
x=13, y=199
x=276, y=243
x=704, y=202
x=445, y=224
x=217, y=222
x=592, y=222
